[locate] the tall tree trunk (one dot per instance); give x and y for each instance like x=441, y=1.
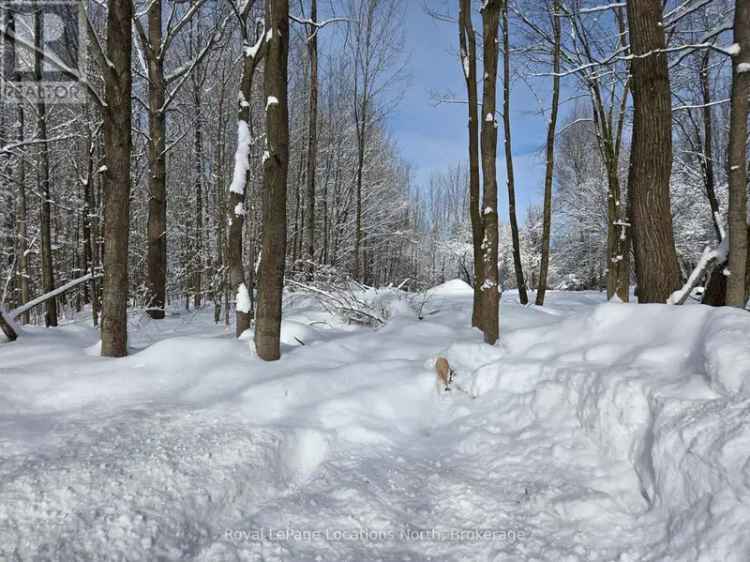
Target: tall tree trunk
x=117, y=147
x=550, y=166
x=45, y=227
x=298, y=212
x=707, y=158
x=312, y=140
x=656, y=264
x=89, y=231
x=219, y=274
x=21, y=210
x=238, y=188
x=358, y=223
x=517, y=265
x=198, y=262
x=156, y=254
x=271, y=274
x=468, y=43
x=618, y=239
x=22, y=236
x=361, y=116
x=716, y=289
x=738, y=158
x=490, y=289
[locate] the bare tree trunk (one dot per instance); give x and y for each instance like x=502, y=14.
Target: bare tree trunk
x=618, y=239
x=361, y=116
x=312, y=140
x=738, y=158
x=48, y=275
x=198, y=262
x=21, y=204
x=656, y=264
x=298, y=213
x=21, y=218
x=468, y=43
x=220, y=276
x=707, y=159
x=358, y=234
x=716, y=289
x=238, y=189
x=271, y=274
x=550, y=166
x=156, y=254
x=517, y=265
x=90, y=235
x=490, y=289
x=89, y=228
x=117, y=146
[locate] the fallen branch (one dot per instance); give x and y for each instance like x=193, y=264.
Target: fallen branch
x=52, y=294
x=711, y=258
x=342, y=301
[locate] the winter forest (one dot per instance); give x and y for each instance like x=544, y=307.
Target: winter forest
x=294, y=280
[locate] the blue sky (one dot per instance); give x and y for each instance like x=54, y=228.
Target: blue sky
x=433, y=137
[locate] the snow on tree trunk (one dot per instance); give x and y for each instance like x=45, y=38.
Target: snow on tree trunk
x=240, y=177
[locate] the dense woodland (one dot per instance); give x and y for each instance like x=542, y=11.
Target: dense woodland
x=227, y=149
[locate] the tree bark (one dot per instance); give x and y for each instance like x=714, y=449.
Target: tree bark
x=198, y=261
x=21, y=218
x=271, y=274
x=358, y=237
x=237, y=194
x=117, y=147
x=468, y=45
x=490, y=289
x=550, y=164
x=45, y=227
x=89, y=229
x=156, y=254
x=312, y=140
x=716, y=289
x=656, y=266
x=517, y=265
x=707, y=158
x=361, y=116
x=738, y=158
x=21, y=210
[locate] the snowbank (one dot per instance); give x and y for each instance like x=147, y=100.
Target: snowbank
x=599, y=432
x=454, y=287
x=663, y=388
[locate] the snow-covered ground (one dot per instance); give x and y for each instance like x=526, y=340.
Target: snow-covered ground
x=599, y=432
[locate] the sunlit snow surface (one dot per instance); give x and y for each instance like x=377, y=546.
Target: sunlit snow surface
x=600, y=432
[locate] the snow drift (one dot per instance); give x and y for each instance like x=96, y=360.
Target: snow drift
x=598, y=432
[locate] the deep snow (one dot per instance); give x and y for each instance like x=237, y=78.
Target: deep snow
x=599, y=432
